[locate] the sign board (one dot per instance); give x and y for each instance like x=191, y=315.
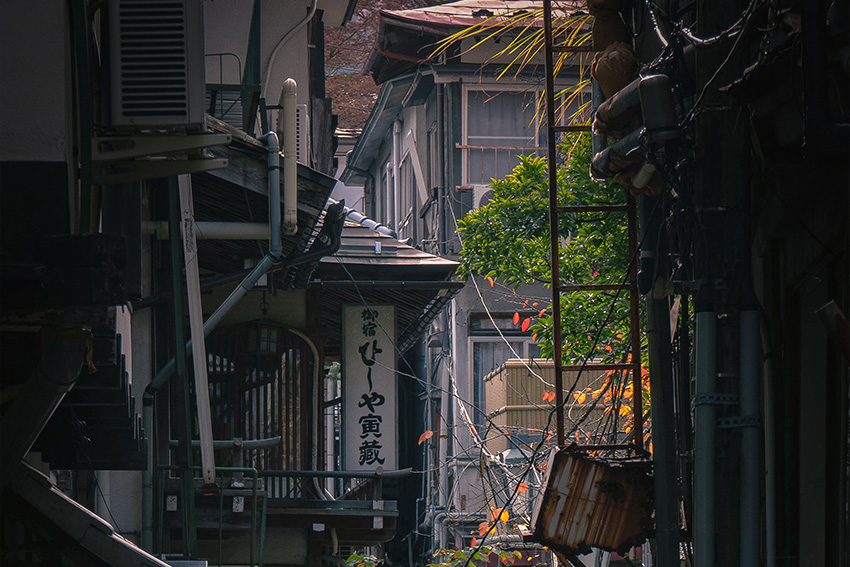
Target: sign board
x=369, y=388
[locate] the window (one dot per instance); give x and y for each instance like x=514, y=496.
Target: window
x=408, y=202
x=489, y=351
x=500, y=126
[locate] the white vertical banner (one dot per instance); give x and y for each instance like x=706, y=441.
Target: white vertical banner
x=369, y=388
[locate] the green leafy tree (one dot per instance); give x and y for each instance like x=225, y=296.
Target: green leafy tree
x=508, y=239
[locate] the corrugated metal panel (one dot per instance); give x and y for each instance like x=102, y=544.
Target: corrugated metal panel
x=514, y=400
x=467, y=13
x=590, y=503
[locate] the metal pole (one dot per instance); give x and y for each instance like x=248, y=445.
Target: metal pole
x=705, y=417
x=634, y=322
x=554, y=241
x=750, y=441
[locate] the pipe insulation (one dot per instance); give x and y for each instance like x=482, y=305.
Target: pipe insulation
x=288, y=103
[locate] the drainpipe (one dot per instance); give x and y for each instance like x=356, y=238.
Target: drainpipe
x=268, y=74
x=750, y=444
x=364, y=220
x=288, y=101
x=275, y=250
x=396, y=158
x=705, y=418
x=441, y=153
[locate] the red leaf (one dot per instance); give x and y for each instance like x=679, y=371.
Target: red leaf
x=424, y=436
x=524, y=305
x=545, y=396
x=525, y=324
x=523, y=486
x=516, y=318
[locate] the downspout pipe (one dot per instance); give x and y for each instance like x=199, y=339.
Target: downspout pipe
x=705, y=418
x=441, y=153
x=297, y=27
x=273, y=255
x=396, y=164
x=750, y=440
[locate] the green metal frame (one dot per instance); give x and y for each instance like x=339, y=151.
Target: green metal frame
x=165, y=469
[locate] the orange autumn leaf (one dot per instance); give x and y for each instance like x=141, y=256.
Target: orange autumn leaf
x=525, y=324
x=542, y=312
x=524, y=305
x=545, y=396
x=523, y=486
x=489, y=279
x=504, y=516
x=474, y=542
x=516, y=318
x=534, y=337
x=535, y=304
x=581, y=397
x=424, y=436
x=483, y=527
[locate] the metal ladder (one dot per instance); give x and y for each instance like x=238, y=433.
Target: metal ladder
x=634, y=365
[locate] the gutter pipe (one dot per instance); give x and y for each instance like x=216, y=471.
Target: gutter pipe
x=267, y=75
x=441, y=190
x=275, y=250
x=750, y=442
x=362, y=219
x=396, y=158
x=705, y=418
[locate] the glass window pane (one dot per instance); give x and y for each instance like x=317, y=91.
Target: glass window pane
x=503, y=125
x=486, y=357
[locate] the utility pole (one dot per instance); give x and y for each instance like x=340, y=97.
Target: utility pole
x=720, y=190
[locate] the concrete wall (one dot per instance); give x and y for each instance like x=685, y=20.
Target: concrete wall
x=35, y=105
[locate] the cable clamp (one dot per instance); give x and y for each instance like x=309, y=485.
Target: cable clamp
x=739, y=421
x=714, y=400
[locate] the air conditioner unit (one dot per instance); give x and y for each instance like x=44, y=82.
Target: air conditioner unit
x=156, y=63
x=481, y=195
x=302, y=123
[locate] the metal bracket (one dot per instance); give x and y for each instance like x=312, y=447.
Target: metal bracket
x=127, y=171
x=114, y=148
x=714, y=400
x=739, y=421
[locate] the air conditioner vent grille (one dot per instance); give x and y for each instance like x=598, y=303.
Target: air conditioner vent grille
x=153, y=52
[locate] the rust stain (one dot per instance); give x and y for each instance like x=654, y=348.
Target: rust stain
x=588, y=502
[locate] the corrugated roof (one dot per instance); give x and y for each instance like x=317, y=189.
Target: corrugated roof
x=416, y=282
x=465, y=13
